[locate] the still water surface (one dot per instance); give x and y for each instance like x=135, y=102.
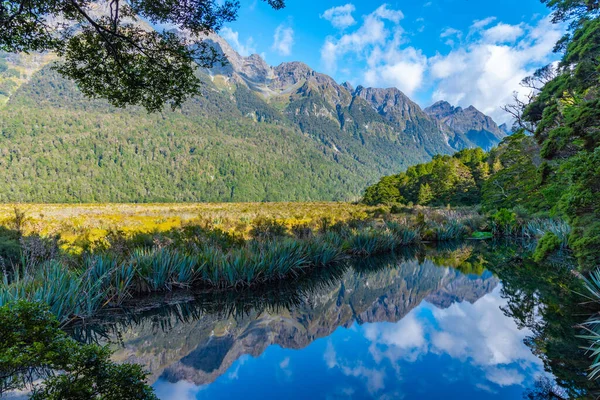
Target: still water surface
x=409, y=326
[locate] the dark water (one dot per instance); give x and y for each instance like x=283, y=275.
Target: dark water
x=455, y=322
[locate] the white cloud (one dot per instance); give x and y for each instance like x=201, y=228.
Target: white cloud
x=403, y=69
x=340, y=17
x=283, y=40
x=233, y=38
x=450, y=32
x=378, y=41
x=372, y=33
x=486, y=71
x=478, y=334
x=384, y=12
x=444, y=67
x=502, y=33
x=374, y=378
x=482, y=23
x=284, y=363
x=177, y=391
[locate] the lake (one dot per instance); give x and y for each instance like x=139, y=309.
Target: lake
x=454, y=321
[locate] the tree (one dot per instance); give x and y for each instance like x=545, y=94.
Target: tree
x=566, y=10
x=33, y=346
x=109, y=50
x=535, y=84
x=425, y=194
x=566, y=114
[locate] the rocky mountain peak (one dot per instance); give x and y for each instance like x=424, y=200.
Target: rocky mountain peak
x=348, y=87
x=391, y=103
x=442, y=109
x=441, y=126
x=471, y=123
x=290, y=74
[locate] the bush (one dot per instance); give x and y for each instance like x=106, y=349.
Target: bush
x=32, y=345
x=10, y=248
x=504, y=221
x=398, y=209
x=546, y=245
x=302, y=231
x=268, y=228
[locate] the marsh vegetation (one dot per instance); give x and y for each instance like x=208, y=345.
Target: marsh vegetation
x=104, y=268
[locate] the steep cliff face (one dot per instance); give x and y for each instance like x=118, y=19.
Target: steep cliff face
x=468, y=123
x=200, y=351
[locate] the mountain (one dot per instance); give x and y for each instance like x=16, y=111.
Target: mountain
x=470, y=126
x=505, y=128
x=258, y=133
x=201, y=349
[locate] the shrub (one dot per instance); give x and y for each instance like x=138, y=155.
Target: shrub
x=267, y=228
x=32, y=345
x=504, y=221
x=546, y=245
x=302, y=231
x=10, y=248
x=399, y=209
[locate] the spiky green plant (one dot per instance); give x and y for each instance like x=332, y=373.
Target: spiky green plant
x=404, y=235
x=592, y=325
x=451, y=230
x=368, y=242
x=537, y=228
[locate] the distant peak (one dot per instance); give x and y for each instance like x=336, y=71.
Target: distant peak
x=441, y=103
x=293, y=65
x=348, y=86
x=441, y=109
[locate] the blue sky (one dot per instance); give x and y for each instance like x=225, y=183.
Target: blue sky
x=465, y=351
x=464, y=51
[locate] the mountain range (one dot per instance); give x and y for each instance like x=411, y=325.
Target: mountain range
x=258, y=133
x=203, y=347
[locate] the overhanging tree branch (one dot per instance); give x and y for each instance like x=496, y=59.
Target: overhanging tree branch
x=109, y=54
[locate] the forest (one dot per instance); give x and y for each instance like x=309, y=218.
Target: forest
x=550, y=166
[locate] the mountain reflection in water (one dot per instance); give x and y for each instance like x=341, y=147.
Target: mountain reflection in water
x=396, y=327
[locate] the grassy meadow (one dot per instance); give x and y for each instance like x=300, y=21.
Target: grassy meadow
x=80, y=259
x=79, y=224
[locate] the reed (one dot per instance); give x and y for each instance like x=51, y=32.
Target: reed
x=592, y=325
x=449, y=231
x=538, y=227
x=195, y=256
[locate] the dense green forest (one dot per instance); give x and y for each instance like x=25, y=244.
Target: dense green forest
x=57, y=146
x=227, y=145
x=500, y=178
x=551, y=166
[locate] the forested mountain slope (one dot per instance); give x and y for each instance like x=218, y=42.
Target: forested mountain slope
x=258, y=133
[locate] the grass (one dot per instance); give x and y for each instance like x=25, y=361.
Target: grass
x=81, y=258
x=592, y=326
x=89, y=224
x=108, y=279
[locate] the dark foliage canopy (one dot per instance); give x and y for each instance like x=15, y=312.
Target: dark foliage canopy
x=33, y=346
x=111, y=50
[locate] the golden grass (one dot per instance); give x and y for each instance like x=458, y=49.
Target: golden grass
x=74, y=222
